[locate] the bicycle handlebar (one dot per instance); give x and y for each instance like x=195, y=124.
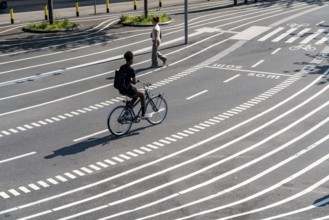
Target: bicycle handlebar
x=144, y=84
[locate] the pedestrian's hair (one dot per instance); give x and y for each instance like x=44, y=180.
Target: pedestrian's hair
x=129, y=56
x=156, y=19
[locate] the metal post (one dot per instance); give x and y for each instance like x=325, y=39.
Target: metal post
x=186, y=21
x=77, y=8
x=146, y=14
x=50, y=11
x=95, y=6
x=46, y=12
x=135, y=5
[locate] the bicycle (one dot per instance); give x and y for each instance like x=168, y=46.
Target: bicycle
x=121, y=118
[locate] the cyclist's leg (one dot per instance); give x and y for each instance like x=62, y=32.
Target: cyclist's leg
x=135, y=94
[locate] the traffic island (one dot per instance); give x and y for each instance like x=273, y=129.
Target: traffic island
x=141, y=21
x=58, y=26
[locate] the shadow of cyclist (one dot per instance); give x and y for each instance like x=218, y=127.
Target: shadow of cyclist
x=90, y=143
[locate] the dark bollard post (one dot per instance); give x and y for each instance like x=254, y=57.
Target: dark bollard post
x=135, y=5
x=46, y=12
x=107, y=6
x=77, y=8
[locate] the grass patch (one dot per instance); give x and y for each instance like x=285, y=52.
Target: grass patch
x=58, y=25
x=140, y=19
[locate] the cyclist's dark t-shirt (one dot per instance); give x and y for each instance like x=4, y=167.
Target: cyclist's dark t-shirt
x=130, y=73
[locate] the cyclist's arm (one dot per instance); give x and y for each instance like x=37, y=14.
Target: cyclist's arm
x=133, y=80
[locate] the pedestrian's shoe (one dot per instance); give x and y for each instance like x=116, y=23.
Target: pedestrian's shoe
x=146, y=116
x=164, y=61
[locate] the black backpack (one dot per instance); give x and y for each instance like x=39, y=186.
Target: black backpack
x=120, y=80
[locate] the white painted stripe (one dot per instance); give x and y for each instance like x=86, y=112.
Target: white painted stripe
x=85, y=212
x=55, y=119
x=322, y=40
x=85, y=169
x=4, y=195
x=61, y=116
x=257, y=64
x=232, y=112
x=24, y=189
x=109, y=102
x=17, y=157
x=250, y=33
x=152, y=146
x=233, y=77
x=21, y=128
x=182, y=134
x=6, y=133
x=59, y=177
x=42, y=122
x=33, y=186
x=204, y=125
x=48, y=120
x=240, y=108
x=300, y=34
x=69, y=175
x=100, y=106
x=14, y=192
x=13, y=130
x=312, y=36
x=35, y=124
x=193, y=96
x=91, y=135
x=165, y=142
x=199, y=127
x=87, y=109
x=124, y=156
x=277, y=50
x=117, y=159
x=271, y=34
x=209, y=123
x=132, y=154
x=94, y=167
x=213, y=120
x=170, y=139
x=110, y=162
x=145, y=148
x=102, y=164
x=284, y=35
x=176, y=136
x=139, y=151
x=78, y=172
x=52, y=181
x=228, y=114
x=93, y=107
x=36, y=215
x=158, y=144
x=81, y=111
x=188, y=132
x=193, y=129
x=43, y=184
x=68, y=115
x=115, y=100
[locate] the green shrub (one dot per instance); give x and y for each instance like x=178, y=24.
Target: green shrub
x=140, y=19
x=57, y=25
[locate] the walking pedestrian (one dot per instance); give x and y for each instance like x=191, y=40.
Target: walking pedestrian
x=156, y=40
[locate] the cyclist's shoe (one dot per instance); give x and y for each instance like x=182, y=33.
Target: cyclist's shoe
x=146, y=116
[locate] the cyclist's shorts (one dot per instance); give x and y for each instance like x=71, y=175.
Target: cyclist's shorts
x=129, y=92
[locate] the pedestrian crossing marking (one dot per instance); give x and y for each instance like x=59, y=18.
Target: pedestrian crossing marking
x=312, y=36
x=284, y=34
x=300, y=34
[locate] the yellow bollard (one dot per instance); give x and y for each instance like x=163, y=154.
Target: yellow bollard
x=135, y=5
x=160, y=3
x=107, y=6
x=12, y=15
x=77, y=8
x=46, y=11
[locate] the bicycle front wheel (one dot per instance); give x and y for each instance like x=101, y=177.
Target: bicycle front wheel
x=157, y=108
x=119, y=120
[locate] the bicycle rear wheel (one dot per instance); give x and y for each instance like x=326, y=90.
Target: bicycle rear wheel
x=157, y=107
x=119, y=120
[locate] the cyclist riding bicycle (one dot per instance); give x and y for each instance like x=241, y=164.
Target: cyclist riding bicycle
x=129, y=77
